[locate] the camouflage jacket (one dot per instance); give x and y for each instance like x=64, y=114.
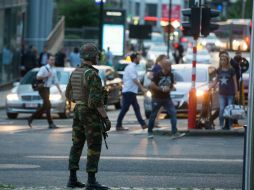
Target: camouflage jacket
x=93, y=86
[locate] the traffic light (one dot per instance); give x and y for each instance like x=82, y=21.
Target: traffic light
x=192, y=27
x=207, y=25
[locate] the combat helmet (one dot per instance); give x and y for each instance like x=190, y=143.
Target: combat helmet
x=89, y=52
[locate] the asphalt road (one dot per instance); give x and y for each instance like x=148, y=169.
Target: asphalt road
x=39, y=157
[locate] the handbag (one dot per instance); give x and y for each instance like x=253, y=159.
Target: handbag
x=235, y=112
x=37, y=85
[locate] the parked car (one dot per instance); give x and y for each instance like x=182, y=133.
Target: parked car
x=203, y=56
x=23, y=99
x=180, y=97
x=156, y=39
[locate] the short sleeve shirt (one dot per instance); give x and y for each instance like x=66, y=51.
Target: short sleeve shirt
x=130, y=74
x=160, y=79
x=44, y=72
x=226, y=82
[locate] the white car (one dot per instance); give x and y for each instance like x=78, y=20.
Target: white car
x=23, y=99
x=180, y=97
x=157, y=50
x=203, y=56
x=211, y=42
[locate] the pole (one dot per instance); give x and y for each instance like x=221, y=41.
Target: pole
x=169, y=23
x=249, y=167
x=101, y=25
x=192, y=108
x=243, y=8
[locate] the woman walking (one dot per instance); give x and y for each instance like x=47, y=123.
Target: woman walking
x=226, y=77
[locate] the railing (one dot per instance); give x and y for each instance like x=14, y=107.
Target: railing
x=56, y=37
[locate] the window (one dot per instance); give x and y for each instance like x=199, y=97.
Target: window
x=151, y=10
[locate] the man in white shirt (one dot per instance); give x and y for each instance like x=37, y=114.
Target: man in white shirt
x=131, y=84
x=46, y=73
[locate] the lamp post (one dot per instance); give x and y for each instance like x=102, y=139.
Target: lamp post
x=169, y=23
x=101, y=3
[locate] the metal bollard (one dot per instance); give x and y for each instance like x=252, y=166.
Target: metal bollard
x=244, y=156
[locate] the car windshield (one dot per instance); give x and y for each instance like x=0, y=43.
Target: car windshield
x=63, y=77
x=121, y=66
x=184, y=75
x=199, y=52
x=159, y=48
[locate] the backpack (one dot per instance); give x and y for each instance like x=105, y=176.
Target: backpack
x=37, y=85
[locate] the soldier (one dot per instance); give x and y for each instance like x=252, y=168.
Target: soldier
x=85, y=89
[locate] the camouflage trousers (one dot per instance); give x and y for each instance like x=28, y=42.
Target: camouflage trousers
x=86, y=127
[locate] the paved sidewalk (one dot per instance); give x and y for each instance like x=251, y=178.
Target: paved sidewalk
x=9, y=187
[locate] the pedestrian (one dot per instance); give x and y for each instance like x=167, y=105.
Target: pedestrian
x=226, y=77
x=155, y=70
x=7, y=56
x=28, y=60
x=85, y=89
x=44, y=56
x=131, y=84
x=74, y=58
x=60, y=58
x=109, y=57
x=161, y=85
x=48, y=74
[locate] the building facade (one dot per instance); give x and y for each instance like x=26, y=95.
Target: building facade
x=12, y=33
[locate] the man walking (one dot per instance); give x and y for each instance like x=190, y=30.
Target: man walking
x=130, y=89
x=161, y=85
x=85, y=89
x=46, y=73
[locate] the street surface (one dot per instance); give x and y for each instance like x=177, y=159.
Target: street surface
x=39, y=157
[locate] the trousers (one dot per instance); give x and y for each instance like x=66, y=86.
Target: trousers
x=87, y=126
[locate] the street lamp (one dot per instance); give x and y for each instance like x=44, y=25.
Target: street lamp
x=101, y=3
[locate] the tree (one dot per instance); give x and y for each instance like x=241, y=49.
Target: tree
x=79, y=13
x=235, y=9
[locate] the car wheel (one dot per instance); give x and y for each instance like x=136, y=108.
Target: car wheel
x=147, y=114
x=118, y=105
x=67, y=111
x=12, y=115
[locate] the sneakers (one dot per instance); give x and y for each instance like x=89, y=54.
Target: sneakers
x=121, y=128
x=177, y=135
x=53, y=126
x=144, y=126
x=150, y=136
x=96, y=186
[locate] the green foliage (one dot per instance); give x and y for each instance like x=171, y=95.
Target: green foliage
x=79, y=13
x=235, y=10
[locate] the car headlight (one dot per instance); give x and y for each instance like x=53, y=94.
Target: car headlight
x=200, y=93
x=55, y=97
x=12, y=97
x=149, y=94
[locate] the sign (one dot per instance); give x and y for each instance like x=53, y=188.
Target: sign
x=114, y=31
x=175, y=12
x=141, y=32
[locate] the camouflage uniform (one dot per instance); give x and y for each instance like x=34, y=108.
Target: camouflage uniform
x=86, y=122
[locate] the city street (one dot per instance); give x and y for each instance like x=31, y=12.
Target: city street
x=39, y=157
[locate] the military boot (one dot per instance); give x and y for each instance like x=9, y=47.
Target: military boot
x=73, y=181
x=92, y=184
x=96, y=186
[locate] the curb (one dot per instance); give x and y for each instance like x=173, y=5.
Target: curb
x=198, y=132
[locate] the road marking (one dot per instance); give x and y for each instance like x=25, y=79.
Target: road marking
x=148, y=159
x=18, y=166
